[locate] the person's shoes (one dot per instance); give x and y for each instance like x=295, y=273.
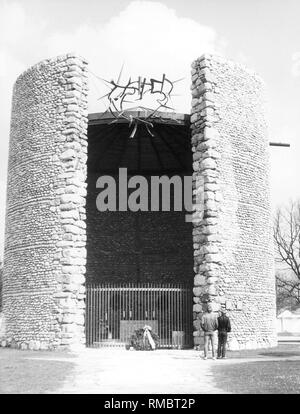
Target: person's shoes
x=204, y=357
x=214, y=358
x=224, y=357
x=219, y=357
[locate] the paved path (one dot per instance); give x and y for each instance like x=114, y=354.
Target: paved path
x=133, y=372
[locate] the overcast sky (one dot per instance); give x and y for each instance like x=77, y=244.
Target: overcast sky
x=155, y=37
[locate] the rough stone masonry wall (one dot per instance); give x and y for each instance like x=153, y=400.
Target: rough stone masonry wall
x=233, y=253
x=45, y=255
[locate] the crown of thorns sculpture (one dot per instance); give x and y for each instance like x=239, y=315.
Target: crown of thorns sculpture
x=134, y=91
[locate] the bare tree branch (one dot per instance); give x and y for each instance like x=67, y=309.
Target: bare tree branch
x=286, y=234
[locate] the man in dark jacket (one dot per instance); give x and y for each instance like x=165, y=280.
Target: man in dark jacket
x=223, y=328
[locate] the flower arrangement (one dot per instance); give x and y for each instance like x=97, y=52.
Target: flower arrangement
x=143, y=339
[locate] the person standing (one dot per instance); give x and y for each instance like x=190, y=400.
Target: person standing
x=209, y=324
x=223, y=328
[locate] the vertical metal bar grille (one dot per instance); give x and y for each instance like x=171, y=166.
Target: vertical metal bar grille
x=115, y=311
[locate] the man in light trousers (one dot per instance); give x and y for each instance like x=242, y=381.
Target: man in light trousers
x=209, y=324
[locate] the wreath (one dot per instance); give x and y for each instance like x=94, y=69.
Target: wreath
x=143, y=339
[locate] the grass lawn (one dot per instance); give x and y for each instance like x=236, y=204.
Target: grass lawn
x=25, y=372
x=261, y=377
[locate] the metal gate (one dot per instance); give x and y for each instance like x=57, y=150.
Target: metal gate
x=114, y=312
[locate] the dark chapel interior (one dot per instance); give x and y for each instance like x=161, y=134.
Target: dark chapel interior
x=143, y=246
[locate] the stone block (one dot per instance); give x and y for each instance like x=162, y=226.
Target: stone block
x=72, y=198
x=210, y=133
x=197, y=307
x=208, y=163
x=198, y=340
x=68, y=155
x=197, y=291
x=239, y=305
x=199, y=280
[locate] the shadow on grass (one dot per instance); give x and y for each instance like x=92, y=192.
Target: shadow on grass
x=280, y=351
x=259, y=377
x=25, y=372
x=280, y=354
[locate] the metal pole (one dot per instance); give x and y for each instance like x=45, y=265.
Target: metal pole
x=279, y=144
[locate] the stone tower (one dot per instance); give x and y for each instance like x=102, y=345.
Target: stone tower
x=233, y=246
